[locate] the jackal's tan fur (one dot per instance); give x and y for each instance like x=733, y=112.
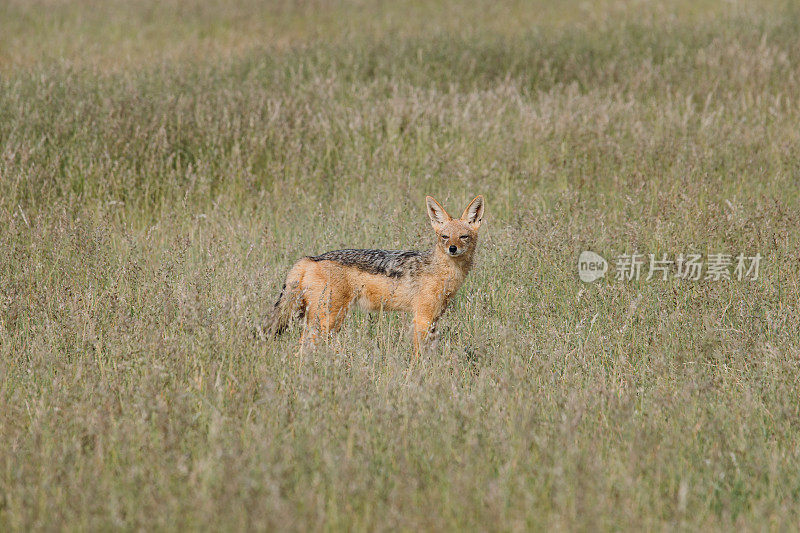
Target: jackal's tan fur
x=322, y=288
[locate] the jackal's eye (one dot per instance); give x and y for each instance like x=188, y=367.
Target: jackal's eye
x=465, y=237
x=445, y=237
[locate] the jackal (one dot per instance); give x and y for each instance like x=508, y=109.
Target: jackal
x=320, y=289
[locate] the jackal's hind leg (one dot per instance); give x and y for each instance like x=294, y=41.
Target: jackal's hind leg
x=322, y=320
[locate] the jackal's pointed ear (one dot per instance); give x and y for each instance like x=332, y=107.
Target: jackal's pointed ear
x=473, y=214
x=436, y=213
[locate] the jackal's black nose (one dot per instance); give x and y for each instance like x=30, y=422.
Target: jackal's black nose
x=453, y=249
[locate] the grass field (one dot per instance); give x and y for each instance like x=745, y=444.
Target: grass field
x=162, y=164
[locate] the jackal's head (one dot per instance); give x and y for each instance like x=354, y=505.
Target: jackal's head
x=456, y=237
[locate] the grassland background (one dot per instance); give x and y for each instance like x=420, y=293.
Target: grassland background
x=163, y=163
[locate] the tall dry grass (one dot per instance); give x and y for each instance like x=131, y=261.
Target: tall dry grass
x=162, y=164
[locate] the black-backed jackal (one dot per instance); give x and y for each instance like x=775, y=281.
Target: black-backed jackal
x=322, y=288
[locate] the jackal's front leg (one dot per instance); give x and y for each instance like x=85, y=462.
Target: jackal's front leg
x=424, y=333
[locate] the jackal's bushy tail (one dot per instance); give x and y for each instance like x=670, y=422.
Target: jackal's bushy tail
x=285, y=309
x=290, y=304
